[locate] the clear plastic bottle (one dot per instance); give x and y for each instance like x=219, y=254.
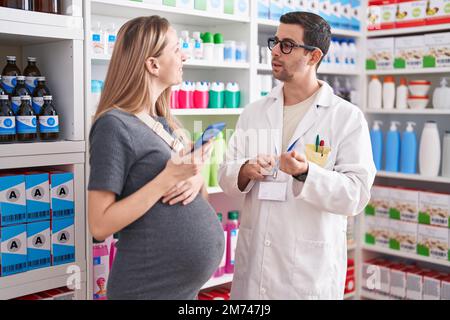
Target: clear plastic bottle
x=97, y=39
x=110, y=38
x=185, y=42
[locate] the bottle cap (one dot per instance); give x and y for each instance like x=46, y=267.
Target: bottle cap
x=11, y=58
x=389, y=79
x=219, y=216
x=21, y=78
x=410, y=126
x=41, y=79
x=233, y=215
x=48, y=97
x=218, y=38
x=376, y=124
x=208, y=37
x=394, y=125
x=25, y=98
x=403, y=81
x=31, y=59
x=374, y=77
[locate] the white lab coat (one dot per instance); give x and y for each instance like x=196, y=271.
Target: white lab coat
x=297, y=249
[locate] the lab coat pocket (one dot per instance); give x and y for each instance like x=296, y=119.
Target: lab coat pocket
x=320, y=158
x=313, y=270
x=242, y=253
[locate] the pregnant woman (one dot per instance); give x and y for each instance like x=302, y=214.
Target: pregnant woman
x=171, y=241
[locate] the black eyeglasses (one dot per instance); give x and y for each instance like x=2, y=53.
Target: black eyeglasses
x=286, y=46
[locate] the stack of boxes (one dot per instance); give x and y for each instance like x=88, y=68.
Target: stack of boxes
x=36, y=221
x=54, y=294
x=410, y=221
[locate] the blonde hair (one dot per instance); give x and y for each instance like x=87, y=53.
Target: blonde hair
x=127, y=81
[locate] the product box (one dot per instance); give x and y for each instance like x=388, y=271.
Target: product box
x=228, y=6
x=62, y=197
x=276, y=9
x=325, y=9
x=445, y=288
x=385, y=276
x=13, y=253
x=345, y=14
x=410, y=13
x=438, y=49
x=39, y=245
x=414, y=283
x=379, y=202
x=409, y=52
x=377, y=231
x=335, y=17
x=398, y=279
x=215, y=6
x=380, y=54
x=263, y=9
x=288, y=6
x=381, y=14
x=169, y=3
x=355, y=23
x=242, y=8
x=403, y=236
x=37, y=187
x=368, y=275
x=404, y=205
x=200, y=5
x=13, y=209
x=313, y=6
x=434, y=209
x=350, y=285
x=433, y=242
x=432, y=285
x=185, y=4
x=438, y=11
x=63, y=241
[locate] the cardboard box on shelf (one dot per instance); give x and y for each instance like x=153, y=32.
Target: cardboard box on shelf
x=414, y=283
x=398, y=279
x=380, y=54
x=404, y=205
x=62, y=194
x=432, y=285
x=39, y=244
x=437, y=11
x=13, y=249
x=370, y=273
x=13, y=208
x=381, y=14
x=263, y=9
x=409, y=52
x=63, y=241
x=38, y=196
x=437, y=54
x=379, y=202
x=410, y=13
x=445, y=288
x=434, y=209
x=433, y=242
x=403, y=236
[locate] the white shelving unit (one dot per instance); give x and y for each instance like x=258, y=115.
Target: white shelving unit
x=406, y=31
x=408, y=71
x=57, y=43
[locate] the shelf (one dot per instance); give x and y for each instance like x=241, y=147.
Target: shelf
x=214, y=282
x=207, y=112
x=322, y=70
x=406, y=255
x=214, y=190
x=41, y=148
x=415, y=177
x=130, y=9
x=197, y=64
x=375, y=295
x=39, y=160
x=427, y=111
x=408, y=71
x=36, y=280
x=267, y=26
x=404, y=31
x=20, y=27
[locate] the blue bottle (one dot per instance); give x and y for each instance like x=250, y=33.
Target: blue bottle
x=376, y=138
x=393, y=148
x=408, y=150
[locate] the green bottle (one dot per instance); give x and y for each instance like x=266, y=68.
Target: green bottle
x=216, y=160
x=207, y=166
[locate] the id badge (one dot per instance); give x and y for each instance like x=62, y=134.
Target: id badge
x=273, y=189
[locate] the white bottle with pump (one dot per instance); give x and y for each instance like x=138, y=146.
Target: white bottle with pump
x=430, y=150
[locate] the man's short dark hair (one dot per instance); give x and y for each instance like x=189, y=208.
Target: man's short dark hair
x=317, y=31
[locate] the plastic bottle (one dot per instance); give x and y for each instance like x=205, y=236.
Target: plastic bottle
x=100, y=269
x=201, y=95
x=374, y=93
x=38, y=95
x=218, y=48
x=229, y=54
x=31, y=74
x=9, y=74
x=174, y=94
x=232, y=235
x=7, y=121
x=186, y=46
x=216, y=159
x=184, y=99
x=353, y=53
x=329, y=58
x=232, y=95
x=207, y=165
x=441, y=96
x=216, y=95
x=221, y=269
x=208, y=46
x=113, y=250
x=48, y=121
x=408, y=149
x=353, y=94
x=430, y=150
x=96, y=93
x=446, y=155
x=402, y=95
x=47, y=6
x=388, y=92
x=198, y=46
x=97, y=39
x=110, y=38
x=376, y=139
x=337, y=53
x=241, y=51
x=26, y=122
x=19, y=91
x=393, y=148
x=345, y=53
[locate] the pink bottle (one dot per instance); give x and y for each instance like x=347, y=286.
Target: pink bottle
x=232, y=235
x=113, y=250
x=221, y=269
x=201, y=95
x=174, y=97
x=185, y=96
x=100, y=269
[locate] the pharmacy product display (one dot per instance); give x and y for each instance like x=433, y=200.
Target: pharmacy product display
x=36, y=221
x=441, y=96
x=412, y=52
x=430, y=150
x=238, y=8
x=342, y=54
x=403, y=280
x=376, y=139
x=62, y=293
x=103, y=38
x=30, y=101
x=391, y=14
x=339, y=14
x=408, y=220
x=202, y=94
x=46, y=6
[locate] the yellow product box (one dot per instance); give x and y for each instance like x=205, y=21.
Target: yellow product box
x=404, y=205
x=434, y=209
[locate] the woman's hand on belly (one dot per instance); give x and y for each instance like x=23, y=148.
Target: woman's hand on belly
x=184, y=191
